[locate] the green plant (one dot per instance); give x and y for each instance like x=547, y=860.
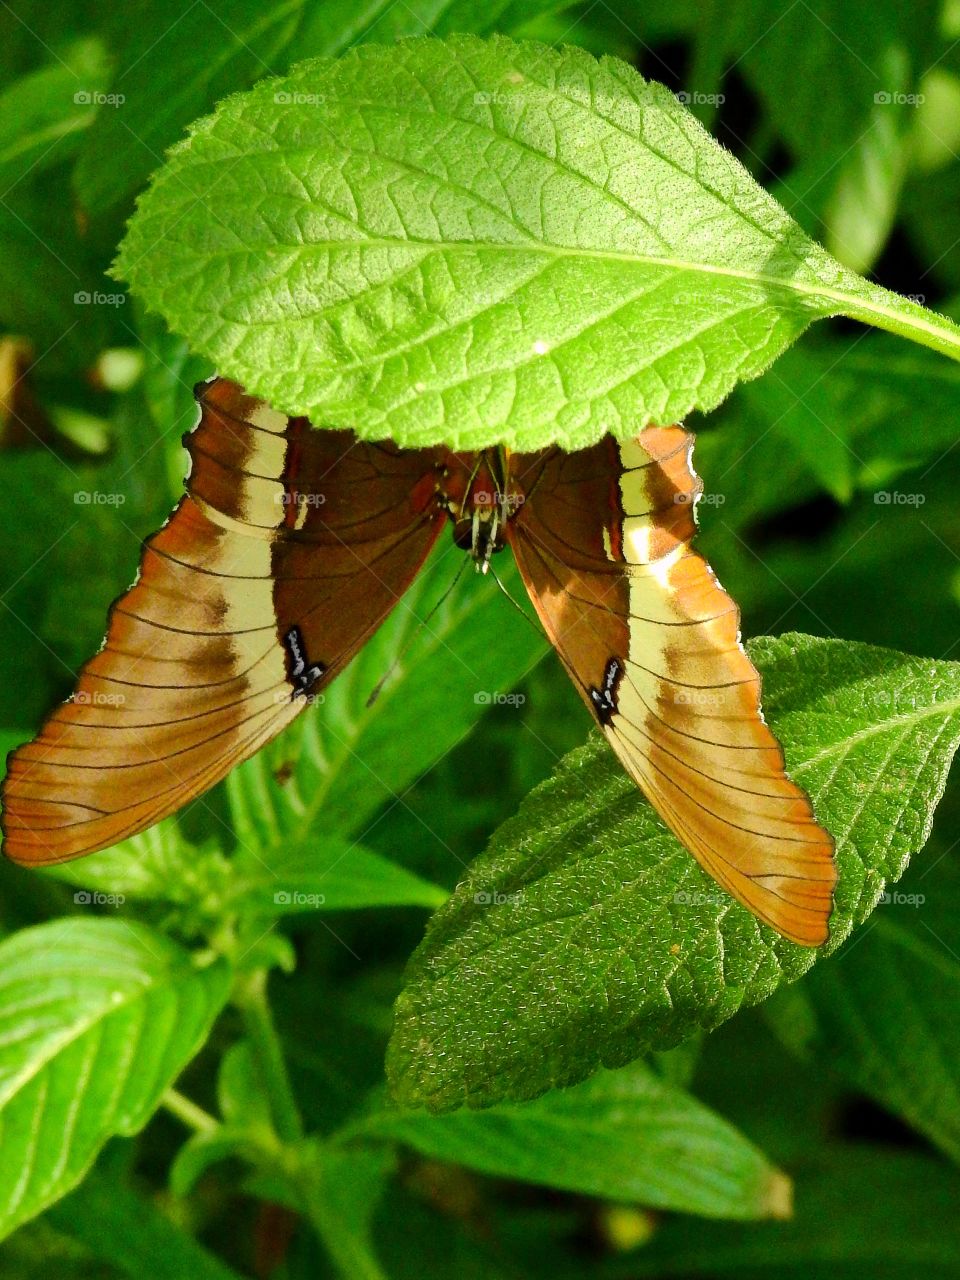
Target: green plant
x=469, y=240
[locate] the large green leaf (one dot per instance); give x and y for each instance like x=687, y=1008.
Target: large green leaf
x=97, y=1018
x=624, y=1135
x=469, y=241
x=861, y=1211
x=587, y=933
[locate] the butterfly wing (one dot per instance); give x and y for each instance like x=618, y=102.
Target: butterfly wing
x=289, y=549
x=652, y=642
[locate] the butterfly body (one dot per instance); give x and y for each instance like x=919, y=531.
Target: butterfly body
x=293, y=544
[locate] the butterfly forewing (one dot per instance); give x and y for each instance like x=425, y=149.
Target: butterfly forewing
x=652, y=642
x=291, y=547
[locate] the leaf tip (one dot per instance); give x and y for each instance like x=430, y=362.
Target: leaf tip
x=777, y=1195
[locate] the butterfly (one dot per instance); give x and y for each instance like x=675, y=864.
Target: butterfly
x=290, y=548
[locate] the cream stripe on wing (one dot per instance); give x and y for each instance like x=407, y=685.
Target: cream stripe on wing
x=192, y=674
x=688, y=724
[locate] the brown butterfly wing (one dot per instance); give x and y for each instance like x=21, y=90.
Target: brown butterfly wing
x=652, y=642
x=290, y=548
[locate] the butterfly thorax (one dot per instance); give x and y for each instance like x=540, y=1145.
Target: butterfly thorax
x=478, y=492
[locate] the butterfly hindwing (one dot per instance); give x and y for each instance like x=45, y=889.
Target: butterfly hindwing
x=290, y=548
x=652, y=642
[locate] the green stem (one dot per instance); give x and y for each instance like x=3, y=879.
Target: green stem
x=905, y=319
x=193, y=1117
x=250, y=998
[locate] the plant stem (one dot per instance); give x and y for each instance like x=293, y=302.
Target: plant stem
x=193, y=1117
x=250, y=998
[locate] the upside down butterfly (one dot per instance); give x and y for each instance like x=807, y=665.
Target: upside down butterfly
x=290, y=548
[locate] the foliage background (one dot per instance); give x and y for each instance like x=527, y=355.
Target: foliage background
x=846, y=1082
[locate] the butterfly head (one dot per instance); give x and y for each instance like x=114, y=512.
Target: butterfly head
x=481, y=499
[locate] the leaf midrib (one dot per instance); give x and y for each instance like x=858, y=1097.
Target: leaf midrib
x=76, y=1032
x=945, y=709
x=860, y=306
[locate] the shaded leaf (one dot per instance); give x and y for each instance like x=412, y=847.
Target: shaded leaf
x=858, y=1210
x=127, y=1231
x=172, y=67
x=323, y=874
x=341, y=1190
x=884, y=1017
x=41, y=113
x=624, y=1135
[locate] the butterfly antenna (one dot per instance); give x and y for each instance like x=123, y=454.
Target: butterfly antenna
x=413, y=635
x=516, y=604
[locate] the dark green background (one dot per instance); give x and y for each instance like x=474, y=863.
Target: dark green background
x=819, y=101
